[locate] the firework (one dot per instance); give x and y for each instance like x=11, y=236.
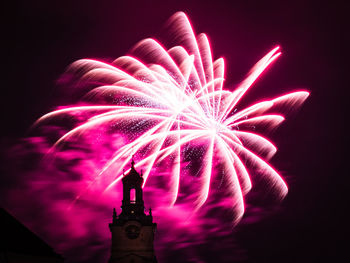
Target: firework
x=176, y=102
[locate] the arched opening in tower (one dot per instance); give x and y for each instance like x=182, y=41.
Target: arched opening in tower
x=132, y=195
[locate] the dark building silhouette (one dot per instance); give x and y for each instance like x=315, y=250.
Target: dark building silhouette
x=133, y=230
x=19, y=245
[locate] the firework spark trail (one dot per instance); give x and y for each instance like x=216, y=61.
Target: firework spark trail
x=177, y=97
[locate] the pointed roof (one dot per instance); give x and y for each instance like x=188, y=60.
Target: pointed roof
x=133, y=175
x=16, y=238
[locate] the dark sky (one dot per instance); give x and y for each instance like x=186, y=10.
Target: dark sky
x=43, y=37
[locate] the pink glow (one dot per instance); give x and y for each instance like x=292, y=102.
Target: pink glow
x=189, y=136
x=182, y=103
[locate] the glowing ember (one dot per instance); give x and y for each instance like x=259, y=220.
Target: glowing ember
x=172, y=111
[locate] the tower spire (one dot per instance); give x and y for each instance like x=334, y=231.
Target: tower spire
x=132, y=161
x=114, y=216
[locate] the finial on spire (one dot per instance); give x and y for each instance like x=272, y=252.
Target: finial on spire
x=150, y=211
x=132, y=161
x=114, y=215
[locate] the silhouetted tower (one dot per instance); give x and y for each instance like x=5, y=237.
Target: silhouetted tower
x=133, y=230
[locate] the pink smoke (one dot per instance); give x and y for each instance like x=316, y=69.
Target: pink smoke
x=200, y=165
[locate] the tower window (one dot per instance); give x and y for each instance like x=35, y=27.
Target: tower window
x=132, y=195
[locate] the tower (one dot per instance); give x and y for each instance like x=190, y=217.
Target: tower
x=133, y=230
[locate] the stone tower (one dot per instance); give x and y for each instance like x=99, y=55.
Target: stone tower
x=133, y=230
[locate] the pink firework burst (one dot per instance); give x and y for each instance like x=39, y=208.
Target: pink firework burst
x=175, y=104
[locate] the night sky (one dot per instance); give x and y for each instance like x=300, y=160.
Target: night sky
x=43, y=37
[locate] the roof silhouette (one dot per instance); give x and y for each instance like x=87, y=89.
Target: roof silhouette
x=17, y=238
